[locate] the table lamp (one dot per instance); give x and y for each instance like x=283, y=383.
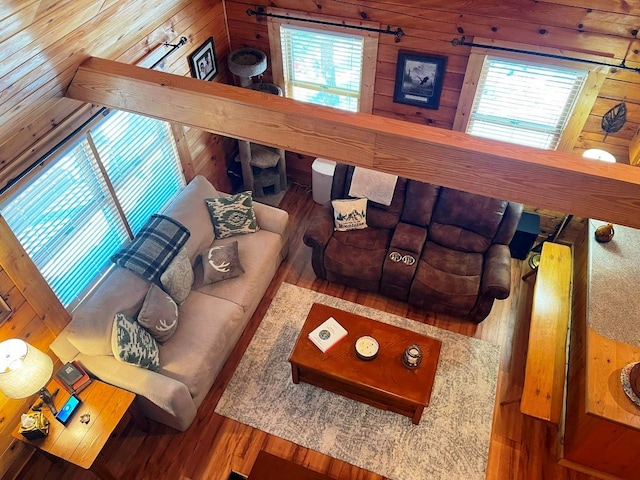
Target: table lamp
x=25, y=370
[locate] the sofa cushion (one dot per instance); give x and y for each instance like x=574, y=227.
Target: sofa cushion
x=420, y=199
x=465, y=221
x=349, y=214
x=153, y=248
x=90, y=327
x=177, y=279
x=357, y=254
x=159, y=314
x=208, y=330
x=448, y=277
x=132, y=344
x=221, y=262
x=260, y=256
x=232, y=215
x=189, y=209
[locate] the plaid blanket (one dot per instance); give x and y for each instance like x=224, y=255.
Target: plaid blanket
x=151, y=251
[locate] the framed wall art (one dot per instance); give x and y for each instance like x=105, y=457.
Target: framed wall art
x=419, y=79
x=203, y=62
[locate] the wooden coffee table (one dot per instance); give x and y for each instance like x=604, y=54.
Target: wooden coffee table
x=383, y=382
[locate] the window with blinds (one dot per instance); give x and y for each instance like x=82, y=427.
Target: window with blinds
x=524, y=103
x=322, y=67
x=66, y=217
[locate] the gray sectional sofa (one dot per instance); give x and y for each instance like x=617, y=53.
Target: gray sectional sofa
x=210, y=320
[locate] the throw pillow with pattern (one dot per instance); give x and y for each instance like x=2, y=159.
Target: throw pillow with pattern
x=159, y=314
x=350, y=214
x=232, y=215
x=153, y=248
x=221, y=262
x=177, y=279
x=132, y=344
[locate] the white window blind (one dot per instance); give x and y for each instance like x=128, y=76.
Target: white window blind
x=65, y=216
x=524, y=103
x=139, y=156
x=322, y=67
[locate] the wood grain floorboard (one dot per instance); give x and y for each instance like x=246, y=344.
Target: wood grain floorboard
x=521, y=448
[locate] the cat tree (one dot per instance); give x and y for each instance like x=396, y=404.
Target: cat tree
x=263, y=168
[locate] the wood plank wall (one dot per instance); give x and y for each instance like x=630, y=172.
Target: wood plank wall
x=42, y=42
x=602, y=27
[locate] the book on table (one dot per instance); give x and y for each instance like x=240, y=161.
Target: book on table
x=327, y=334
x=73, y=377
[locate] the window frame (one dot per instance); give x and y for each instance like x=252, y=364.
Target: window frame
x=369, y=52
x=584, y=103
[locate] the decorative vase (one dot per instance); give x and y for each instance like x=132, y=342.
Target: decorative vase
x=604, y=233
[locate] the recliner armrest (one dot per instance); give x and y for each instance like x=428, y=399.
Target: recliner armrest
x=495, y=282
x=317, y=236
x=496, y=276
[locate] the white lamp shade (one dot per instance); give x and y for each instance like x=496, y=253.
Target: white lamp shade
x=23, y=369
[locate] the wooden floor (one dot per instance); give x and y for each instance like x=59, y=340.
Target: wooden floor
x=521, y=448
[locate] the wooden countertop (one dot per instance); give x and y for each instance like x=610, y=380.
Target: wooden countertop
x=613, y=324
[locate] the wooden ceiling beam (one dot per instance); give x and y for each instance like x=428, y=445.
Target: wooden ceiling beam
x=545, y=179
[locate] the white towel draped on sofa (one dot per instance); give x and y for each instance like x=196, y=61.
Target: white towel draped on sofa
x=376, y=186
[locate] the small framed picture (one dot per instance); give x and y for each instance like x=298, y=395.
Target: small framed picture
x=5, y=310
x=419, y=79
x=203, y=63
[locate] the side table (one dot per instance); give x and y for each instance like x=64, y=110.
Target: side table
x=81, y=443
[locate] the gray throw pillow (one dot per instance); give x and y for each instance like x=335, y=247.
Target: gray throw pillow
x=221, y=262
x=232, y=215
x=132, y=344
x=177, y=279
x=153, y=248
x=159, y=314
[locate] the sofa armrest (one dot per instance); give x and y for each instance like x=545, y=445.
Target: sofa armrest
x=271, y=218
x=317, y=237
x=495, y=283
x=163, y=398
x=496, y=276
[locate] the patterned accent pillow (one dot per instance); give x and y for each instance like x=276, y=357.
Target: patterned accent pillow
x=350, y=214
x=232, y=215
x=221, y=262
x=152, y=250
x=132, y=344
x=159, y=314
x=177, y=279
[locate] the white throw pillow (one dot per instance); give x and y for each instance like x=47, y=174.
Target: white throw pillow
x=350, y=214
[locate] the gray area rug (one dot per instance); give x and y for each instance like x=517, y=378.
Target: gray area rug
x=451, y=442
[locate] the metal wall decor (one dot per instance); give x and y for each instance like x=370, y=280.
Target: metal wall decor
x=614, y=119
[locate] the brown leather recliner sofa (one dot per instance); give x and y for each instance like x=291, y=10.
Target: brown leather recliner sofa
x=437, y=248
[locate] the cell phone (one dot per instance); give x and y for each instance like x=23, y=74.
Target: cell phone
x=67, y=409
